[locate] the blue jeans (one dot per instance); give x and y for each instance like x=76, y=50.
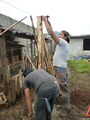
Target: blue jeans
x=62, y=77
x=40, y=104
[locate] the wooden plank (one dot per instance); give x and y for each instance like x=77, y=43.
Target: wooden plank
x=9, y=99
x=21, y=81
x=11, y=95
x=3, y=62
x=20, y=78
x=12, y=91
x=8, y=72
x=18, y=90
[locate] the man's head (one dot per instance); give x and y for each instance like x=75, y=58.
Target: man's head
x=65, y=35
x=26, y=71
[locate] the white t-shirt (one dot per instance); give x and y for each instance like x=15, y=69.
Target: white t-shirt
x=61, y=54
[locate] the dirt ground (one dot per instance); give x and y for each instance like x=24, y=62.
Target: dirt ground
x=80, y=100
x=79, y=104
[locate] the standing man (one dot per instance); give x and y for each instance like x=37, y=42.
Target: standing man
x=60, y=60
x=46, y=90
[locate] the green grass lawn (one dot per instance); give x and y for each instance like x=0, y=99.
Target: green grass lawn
x=81, y=66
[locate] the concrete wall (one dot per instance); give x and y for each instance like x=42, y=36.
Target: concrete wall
x=76, y=48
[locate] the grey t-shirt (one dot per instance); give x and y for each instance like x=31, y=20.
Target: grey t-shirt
x=61, y=54
x=39, y=79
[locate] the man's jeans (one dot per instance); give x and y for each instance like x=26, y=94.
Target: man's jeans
x=40, y=104
x=62, y=77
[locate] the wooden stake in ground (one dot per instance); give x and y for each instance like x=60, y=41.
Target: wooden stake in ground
x=12, y=26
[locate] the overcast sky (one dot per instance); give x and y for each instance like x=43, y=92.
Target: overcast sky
x=70, y=15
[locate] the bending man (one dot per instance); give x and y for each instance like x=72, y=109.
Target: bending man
x=46, y=92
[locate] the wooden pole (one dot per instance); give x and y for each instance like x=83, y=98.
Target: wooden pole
x=35, y=39
x=40, y=34
x=33, y=29
x=30, y=61
x=12, y=26
x=48, y=58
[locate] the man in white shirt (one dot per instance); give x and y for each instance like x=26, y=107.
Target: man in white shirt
x=60, y=59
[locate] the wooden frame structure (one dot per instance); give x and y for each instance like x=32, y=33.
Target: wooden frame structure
x=12, y=56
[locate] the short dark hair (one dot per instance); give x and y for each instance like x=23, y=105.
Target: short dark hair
x=66, y=34
x=26, y=71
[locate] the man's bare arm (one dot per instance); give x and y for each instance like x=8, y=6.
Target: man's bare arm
x=28, y=101
x=50, y=30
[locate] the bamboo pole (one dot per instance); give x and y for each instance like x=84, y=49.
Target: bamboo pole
x=12, y=26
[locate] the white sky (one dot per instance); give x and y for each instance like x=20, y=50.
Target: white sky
x=70, y=15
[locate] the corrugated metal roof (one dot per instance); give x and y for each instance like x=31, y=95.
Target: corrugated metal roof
x=18, y=33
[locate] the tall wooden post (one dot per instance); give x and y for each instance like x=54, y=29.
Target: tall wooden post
x=40, y=41
x=3, y=61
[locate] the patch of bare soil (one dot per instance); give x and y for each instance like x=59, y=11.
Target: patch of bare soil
x=72, y=114
x=80, y=100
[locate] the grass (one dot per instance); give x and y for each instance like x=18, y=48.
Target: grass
x=81, y=66
x=80, y=74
